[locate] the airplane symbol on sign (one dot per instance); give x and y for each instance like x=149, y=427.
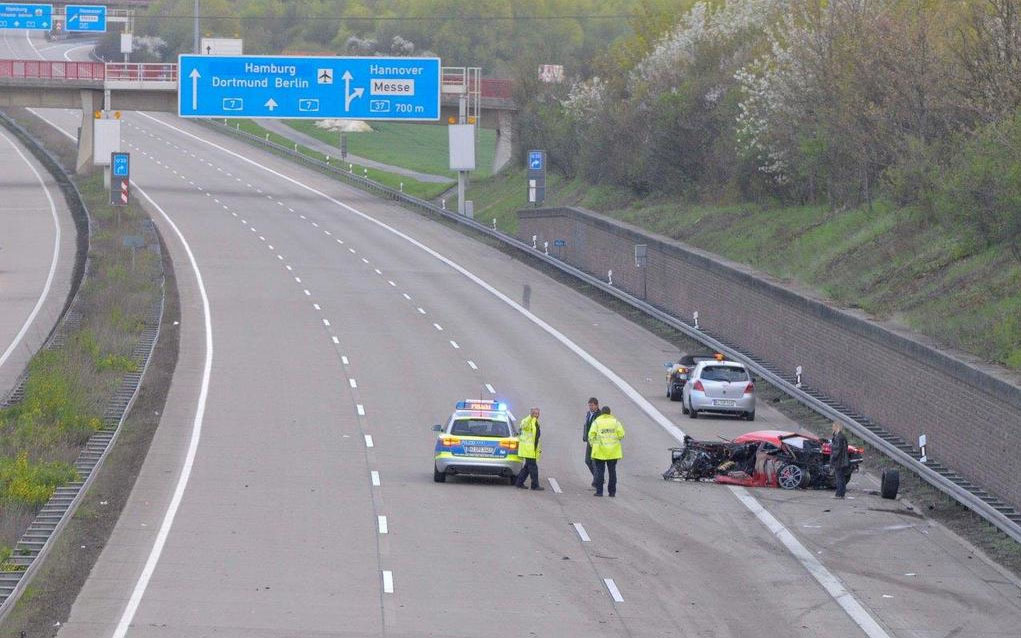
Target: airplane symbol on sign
x=325, y=76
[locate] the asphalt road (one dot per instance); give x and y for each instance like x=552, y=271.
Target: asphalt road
x=37, y=251
x=325, y=331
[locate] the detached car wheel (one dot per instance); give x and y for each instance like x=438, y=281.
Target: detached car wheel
x=790, y=477
x=439, y=477
x=889, y=484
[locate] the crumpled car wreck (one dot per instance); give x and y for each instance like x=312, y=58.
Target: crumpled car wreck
x=765, y=458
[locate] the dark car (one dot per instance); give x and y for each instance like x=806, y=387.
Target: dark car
x=677, y=373
x=765, y=458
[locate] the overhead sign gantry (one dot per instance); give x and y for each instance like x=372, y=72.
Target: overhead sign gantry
x=309, y=87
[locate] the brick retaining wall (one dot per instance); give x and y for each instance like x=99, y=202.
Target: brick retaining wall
x=972, y=419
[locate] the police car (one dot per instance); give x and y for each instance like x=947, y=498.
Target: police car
x=480, y=438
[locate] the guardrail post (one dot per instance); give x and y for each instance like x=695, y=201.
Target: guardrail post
x=922, y=440
x=402, y=187
x=797, y=374
x=443, y=203
x=694, y=317
x=545, y=248
x=267, y=137
x=494, y=223
x=609, y=277
x=534, y=239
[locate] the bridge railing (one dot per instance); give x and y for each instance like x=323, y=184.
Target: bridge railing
x=52, y=70
x=141, y=72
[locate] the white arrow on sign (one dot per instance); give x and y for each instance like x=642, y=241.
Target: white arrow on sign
x=194, y=75
x=72, y=18
x=270, y=104
x=350, y=95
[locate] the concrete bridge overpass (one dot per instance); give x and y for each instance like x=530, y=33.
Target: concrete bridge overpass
x=98, y=86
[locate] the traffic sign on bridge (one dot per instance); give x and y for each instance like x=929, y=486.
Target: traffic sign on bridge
x=309, y=87
x=26, y=16
x=85, y=18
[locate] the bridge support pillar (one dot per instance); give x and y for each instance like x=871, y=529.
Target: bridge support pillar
x=504, y=140
x=92, y=101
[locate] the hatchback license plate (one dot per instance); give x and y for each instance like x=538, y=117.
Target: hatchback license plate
x=725, y=403
x=478, y=449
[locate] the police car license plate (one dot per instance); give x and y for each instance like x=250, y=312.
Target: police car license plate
x=725, y=403
x=479, y=450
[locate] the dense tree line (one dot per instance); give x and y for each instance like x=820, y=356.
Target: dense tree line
x=810, y=101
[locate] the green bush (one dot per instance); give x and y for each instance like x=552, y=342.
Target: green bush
x=23, y=483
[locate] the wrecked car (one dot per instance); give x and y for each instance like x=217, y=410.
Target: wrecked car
x=765, y=458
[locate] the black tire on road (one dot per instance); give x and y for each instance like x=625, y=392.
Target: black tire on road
x=675, y=395
x=692, y=412
x=439, y=477
x=750, y=416
x=889, y=484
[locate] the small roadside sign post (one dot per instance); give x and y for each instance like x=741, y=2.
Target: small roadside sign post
x=559, y=244
x=26, y=16
x=641, y=262
x=293, y=87
x=536, y=166
x=85, y=18
x=134, y=242
x=120, y=181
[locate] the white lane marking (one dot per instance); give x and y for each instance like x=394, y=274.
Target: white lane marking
x=328, y=233
x=316, y=306
x=287, y=266
x=336, y=340
x=406, y=296
x=315, y=225
x=388, y=581
x=364, y=260
x=632, y=394
x=280, y=257
x=280, y=203
x=351, y=250
x=491, y=389
x=391, y=283
x=270, y=246
x=438, y=327
x=361, y=409
x=614, y=592
x=353, y=383
x=454, y=345
x=368, y=441
x=830, y=583
x=556, y=486
x=378, y=271
x=261, y=238
x=582, y=534
x=340, y=241
x=374, y=475
x=297, y=279
x=53, y=261
x=471, y=364
x=193, y=444
x=326, y=322
x=421, y=311
x=307, y=293
x=384, y=528
x=343, y=359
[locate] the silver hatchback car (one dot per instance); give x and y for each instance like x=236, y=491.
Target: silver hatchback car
x=722, y=387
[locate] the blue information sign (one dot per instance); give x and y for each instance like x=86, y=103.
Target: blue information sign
x=120, y=164
x=309, y=87
x=559, y=243
x=535, y=160
x=85, y=18
x=26, y=16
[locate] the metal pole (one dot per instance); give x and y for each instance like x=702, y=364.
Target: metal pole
x=196, y=47
x=462, y=176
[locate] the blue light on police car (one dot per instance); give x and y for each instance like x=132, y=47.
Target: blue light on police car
x=502, y=407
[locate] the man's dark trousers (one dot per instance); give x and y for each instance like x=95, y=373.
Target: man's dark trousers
x=588, y=459
x=530, y=468
x=601, y=466
x=842, y=475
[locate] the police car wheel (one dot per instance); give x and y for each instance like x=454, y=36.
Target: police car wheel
x=439, y=477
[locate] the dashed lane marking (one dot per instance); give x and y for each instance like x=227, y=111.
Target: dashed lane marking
x=361, y=409
x=491, y=389
x=352, y=383
x=614, y=592
x=454, y=344
x=336, y=340
x=368, y=441
x=374, y=476
x=384, y=528
x=388, y=581
x=582, y=534
x=471, y=364
x=556, y=486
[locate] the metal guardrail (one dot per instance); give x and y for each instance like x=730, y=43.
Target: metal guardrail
x=52, y=70
x=141, y=72
x=1005, y=518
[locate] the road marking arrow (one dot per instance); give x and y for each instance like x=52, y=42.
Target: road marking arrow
x=350, y=95
x=270, y=104
x=194, y=75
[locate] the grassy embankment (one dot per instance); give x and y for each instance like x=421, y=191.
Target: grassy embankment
x=68, y=387
x=887, y=262
x=424, y=190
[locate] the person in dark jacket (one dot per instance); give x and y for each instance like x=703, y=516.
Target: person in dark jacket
x=590, y=416
x=839, y=460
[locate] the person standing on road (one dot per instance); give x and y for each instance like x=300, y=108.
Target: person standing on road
x=604, y=436
x=530, y=449
x=590, y=416
x=839, y=461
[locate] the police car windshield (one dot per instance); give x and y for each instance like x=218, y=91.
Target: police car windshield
x=480, y=427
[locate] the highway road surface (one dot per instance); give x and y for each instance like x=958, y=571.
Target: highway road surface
x=37, y=253
x=288, y=491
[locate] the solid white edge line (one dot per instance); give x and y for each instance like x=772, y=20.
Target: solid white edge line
x=53, y=263
x=613, y=377
x=374, y=477
x=388, y=581
x=384, y=528
x=196, y=433
x=833, y=586
x=556, y=486
x=582, y=534
x=612, y=588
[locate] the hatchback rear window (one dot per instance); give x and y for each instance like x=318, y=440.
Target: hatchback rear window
x=724, y=373
x=480, y=427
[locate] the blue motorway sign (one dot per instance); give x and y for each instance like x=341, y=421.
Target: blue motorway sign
x=89, y=18
x=309, y=87
x=535, y=160
x=120, y=164
x=559, y=243
x=26, y=16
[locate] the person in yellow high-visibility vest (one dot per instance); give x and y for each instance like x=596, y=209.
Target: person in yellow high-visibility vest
x=604, y=436
x=530, y=449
